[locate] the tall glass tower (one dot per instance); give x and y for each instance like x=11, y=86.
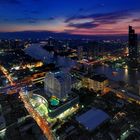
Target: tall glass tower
x=133, y=46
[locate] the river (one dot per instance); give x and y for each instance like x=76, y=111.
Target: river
x=127, y=75
x=37, y=52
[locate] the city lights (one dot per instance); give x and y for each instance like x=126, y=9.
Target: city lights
x=69, y=70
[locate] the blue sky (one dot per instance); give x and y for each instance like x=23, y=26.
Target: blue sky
x=88, y=17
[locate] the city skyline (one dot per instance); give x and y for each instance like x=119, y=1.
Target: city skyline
x=70, y=17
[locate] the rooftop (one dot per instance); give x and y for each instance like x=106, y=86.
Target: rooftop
x=41, y=92
x=99, y=78
x=92, y=118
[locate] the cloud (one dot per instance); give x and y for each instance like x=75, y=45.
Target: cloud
x=94, y=20
x=136, y=20
x=86, y=25
x=103, y=17
x=103, y=23
x=27, y=20
x=51, y=18
x=95, y=32
x=33, y=20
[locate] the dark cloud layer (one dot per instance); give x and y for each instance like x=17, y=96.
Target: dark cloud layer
x=103, y=17
x=33, y=20
x=98, y=19
x=136, y=20
x=28, y=20
x=86, y=25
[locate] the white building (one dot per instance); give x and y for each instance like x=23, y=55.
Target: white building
x=58, y=84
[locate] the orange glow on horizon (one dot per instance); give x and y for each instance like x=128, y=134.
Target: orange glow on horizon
x=60, y=26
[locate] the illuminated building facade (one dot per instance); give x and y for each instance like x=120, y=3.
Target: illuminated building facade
x=61, y=99
x=58, y=84
x=96, y=83
x=64, y=108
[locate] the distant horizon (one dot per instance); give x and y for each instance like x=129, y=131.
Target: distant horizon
x=46, y=34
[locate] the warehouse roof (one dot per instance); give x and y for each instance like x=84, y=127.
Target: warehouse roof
x=92, y=118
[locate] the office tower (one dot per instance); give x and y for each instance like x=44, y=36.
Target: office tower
x=58, y=84
x=90, y=54
x=133, y=47
x=139, y=51
x=93, y=50
x=80, y=52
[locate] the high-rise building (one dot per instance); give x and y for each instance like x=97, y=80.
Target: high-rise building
x=138, y=51
x=133, y=46
x=80, y=52
x=58, y=84
x=93, y=50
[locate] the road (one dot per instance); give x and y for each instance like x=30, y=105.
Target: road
x=42, y=123
x=124, y=95
x=14, y=88
x=7, y=75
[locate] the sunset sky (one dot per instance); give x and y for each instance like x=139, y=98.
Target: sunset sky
x=84, y=17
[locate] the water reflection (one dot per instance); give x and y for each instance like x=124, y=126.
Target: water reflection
x=37, y=52
x=127, y=75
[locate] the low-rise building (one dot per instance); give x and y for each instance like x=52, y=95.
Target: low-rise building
x=92, y=119
x=96, y=82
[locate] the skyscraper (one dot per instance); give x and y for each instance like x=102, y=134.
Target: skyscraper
x=139, y=52
x=133, y=47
